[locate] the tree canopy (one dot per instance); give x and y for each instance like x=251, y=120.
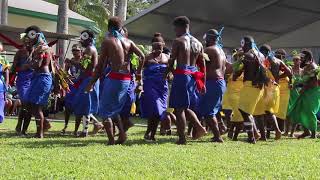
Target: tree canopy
x=97, y=10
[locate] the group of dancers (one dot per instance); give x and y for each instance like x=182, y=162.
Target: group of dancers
x=258, y=90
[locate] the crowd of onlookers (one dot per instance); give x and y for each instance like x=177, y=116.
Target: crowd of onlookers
x=13, y=102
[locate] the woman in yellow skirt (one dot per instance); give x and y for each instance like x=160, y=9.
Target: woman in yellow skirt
x=231, y=101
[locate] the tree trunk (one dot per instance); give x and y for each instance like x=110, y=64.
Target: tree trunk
x=62, y=27
x=112, y=7
x=122, y=12
x=4, y=12
x=72, y=5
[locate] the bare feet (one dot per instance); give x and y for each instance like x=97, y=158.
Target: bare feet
x=257, y=136
x=251, y=141
x=201, y=131
x=268, y=134
x=218, y=140
x=47, y=126
x=18, y=131
x=230, y=134
x=278, y=135
x=303, y=135
x=162, y=132
x=83, y=134
x=146, y=137
x=23, y=134
x=110, y=143
x=96, y=128
x=40, y=136
x=313, y=135
x=263, y=139
x=181, y=141
x=63, y=131
x=169, y=132
x=121, y=139
x=222, y=128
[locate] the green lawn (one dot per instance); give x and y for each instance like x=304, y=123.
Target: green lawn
x=65, y=157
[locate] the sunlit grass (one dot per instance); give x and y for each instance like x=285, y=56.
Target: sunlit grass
x=66, y=157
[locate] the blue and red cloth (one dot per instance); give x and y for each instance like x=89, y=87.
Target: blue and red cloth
x=131, y=97
x=114, y=94
x=184, y=93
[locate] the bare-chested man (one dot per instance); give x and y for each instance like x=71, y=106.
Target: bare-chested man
x=40, y=60
x=306, y=107
x=115, y=51
x=270, y=102
x=186, y=50
x=85, y=105
x=22, y=67
x=210, y=102
x=254, y=80
x=125, y=113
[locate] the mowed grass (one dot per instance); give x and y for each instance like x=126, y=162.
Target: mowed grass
x=66, y=157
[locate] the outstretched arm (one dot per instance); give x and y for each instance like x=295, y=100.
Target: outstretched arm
x=94, y=58
x=229, y=69
x=173, y=57
x=141, y=56
x=203, y=64
x=7, y=72
x=287, y=71
x=15, y=62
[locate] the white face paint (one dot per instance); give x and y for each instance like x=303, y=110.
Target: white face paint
x=32, y=34
x=242, y=43
x=204, y=37
x=84, y=36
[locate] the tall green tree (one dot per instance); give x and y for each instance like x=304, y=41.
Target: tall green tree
x=95, y=10
x=136, y=6
x=100, y=10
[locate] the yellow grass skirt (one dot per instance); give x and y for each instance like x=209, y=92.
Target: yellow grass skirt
x=284, y=98
x=231, y=98
x=249, y=97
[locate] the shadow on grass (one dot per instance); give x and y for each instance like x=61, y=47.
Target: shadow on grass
x=75, y=142
x=52, y=143
x=54, y=139
x=8, y=134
